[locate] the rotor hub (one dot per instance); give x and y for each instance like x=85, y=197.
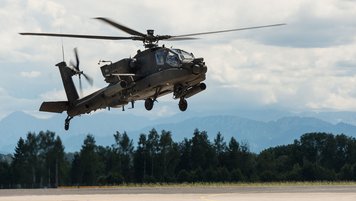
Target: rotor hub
x=150, y=32
x=150, y=40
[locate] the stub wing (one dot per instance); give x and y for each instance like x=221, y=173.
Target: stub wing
x=56, y=107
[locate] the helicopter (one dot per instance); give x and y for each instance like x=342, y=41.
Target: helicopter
x=150, y=74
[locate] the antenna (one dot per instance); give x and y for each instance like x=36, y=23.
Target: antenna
x=60, y=30
x=62, y=49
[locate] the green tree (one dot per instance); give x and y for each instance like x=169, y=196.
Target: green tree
x=203, y=154
x=140, y=159
x=50, y=158
x=168, y=156
x=75, y=172
x=185, y=151
x=318, y=148
x=5, y=174
x=61, y=166
x=31, y=154
x=220, y=149
x=345, y=150
x=153, y=148
x=267, y=167
x=19, y=164
x=37, y=160
x=46, y=157
x=123, y=147
x=89, y=162
x=233, y=153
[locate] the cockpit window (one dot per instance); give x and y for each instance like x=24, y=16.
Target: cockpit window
x=160, y=57
x=186, y=56
x=173, y=59
x=183, y=55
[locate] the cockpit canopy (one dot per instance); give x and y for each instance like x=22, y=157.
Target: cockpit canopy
x=183, y=55
x=173, y=57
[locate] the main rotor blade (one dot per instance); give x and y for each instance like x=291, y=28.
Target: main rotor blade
x=80, y=36
x=173, y=38
x=229, y=30
x=121, y=27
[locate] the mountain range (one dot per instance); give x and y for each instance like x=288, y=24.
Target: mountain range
x=259, y=133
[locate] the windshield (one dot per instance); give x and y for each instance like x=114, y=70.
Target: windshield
x=183, y=55
x=173, y=59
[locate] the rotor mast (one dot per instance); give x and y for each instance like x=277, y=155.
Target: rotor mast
x=150, y=41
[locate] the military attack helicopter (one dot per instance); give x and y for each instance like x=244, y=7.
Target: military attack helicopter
x=150, y=74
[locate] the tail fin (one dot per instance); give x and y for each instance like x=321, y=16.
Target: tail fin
x=69, y=87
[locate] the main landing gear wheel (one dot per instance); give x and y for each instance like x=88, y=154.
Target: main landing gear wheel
x=66, y=122
x=183, y=104
x=149, y=104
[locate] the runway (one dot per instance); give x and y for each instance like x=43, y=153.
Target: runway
x=203, y=193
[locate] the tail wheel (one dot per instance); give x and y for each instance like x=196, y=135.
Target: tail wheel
x=183, y=104
x=66, y=122
x=149, y=104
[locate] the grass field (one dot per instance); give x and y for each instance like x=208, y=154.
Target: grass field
x=204, y=184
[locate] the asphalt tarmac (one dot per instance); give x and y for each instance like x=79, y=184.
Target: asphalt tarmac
x=206, y=193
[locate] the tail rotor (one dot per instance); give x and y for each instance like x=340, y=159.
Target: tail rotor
x=76, y=69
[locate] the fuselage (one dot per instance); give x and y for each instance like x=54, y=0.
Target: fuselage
x=152, y=73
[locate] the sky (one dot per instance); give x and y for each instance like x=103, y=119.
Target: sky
x=307, y=65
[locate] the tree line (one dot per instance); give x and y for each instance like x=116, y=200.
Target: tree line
x=40, y=160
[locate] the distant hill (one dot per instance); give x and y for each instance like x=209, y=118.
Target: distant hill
x=258, y=134
x=18, y=124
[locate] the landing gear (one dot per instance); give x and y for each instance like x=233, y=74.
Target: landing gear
x=149, y=104
x=66, y=122
x=183, y=104
x=66, y=126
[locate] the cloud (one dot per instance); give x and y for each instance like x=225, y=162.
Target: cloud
x=305, y=65
x=54, y=95
x=315, y=24
x=31, y=74
x=290, y=78
x=9, y=104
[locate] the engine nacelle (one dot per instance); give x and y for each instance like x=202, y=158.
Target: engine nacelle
x=112, y=71
x=111, y=90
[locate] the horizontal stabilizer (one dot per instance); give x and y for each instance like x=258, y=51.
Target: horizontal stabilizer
x=57, y=107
